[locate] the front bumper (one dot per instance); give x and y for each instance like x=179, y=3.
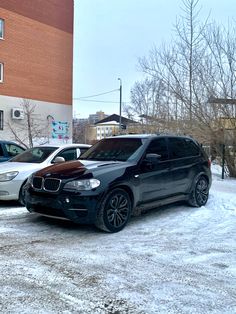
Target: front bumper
x=78, y=208
x=9, y=190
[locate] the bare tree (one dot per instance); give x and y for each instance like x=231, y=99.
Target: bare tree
x=177, y=64
x=31, y=128
x=80, y=131
x=200, y=64
x=218, y=78
x=146, y=98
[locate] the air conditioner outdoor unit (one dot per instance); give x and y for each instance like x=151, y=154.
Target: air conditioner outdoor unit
x=17, y=113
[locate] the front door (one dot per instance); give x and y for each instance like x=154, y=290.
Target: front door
x=155, y=182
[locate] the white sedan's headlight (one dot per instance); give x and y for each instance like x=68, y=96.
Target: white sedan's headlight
x=82, y=185
x=8, y=176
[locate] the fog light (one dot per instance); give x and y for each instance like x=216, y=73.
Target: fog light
x=67, y=200
x=4, y=193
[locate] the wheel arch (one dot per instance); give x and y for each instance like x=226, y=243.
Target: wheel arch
x=24, y=182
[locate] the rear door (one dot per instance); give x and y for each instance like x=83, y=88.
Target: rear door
x=184, y=156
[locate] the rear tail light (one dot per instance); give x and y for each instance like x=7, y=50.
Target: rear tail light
x=209, y=163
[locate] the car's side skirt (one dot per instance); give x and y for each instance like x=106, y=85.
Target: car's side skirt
x=161, y=202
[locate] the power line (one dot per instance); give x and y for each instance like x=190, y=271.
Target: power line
x=105, y=101
x=114, y=90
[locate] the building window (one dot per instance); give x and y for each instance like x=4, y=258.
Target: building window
x=1, y=28
x=1, y=119
x=1, y=72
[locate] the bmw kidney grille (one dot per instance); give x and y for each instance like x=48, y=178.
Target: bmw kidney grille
x=48, y=184
x=37, y=183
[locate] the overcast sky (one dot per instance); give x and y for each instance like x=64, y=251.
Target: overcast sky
x=110, y=36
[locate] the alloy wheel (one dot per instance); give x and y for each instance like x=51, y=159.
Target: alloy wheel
x=202, y=191
x=118, y=210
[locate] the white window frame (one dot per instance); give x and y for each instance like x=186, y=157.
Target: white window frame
x=1, y=72
x=2, y=23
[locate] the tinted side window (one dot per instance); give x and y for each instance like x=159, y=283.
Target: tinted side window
x=191, y=148
x=181, y=148
x=159, y=147
x=177, y=148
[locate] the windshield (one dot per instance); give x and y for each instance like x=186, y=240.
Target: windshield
x=120, y=149
x=34, y=155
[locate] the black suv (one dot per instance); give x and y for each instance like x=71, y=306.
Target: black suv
x=119, y=176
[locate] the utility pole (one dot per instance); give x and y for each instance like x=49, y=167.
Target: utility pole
x=119, y=79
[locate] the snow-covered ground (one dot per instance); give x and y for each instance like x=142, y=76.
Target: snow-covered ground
x=176, y=259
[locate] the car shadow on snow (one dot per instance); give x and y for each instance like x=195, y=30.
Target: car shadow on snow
x=8, y=204
x=60, y=223
x=146, y=216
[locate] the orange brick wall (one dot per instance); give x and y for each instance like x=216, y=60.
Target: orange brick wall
x=37, y=57
x=57, y=13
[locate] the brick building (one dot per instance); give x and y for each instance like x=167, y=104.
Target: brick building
x=36, y=59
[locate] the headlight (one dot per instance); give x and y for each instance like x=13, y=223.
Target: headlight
x=8, y=176
x=82, y=185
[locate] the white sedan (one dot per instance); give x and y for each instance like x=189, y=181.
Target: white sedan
x=15, y=172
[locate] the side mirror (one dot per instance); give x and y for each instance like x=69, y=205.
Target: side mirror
x=150, y=161
x=58, y=160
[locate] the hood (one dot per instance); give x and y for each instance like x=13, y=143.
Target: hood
x=79, y=168
x=19, y=166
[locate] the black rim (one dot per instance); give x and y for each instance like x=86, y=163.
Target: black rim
x=117, y=210
x=202, y=192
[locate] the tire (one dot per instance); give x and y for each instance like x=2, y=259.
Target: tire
x=200, y=193
x=114, y=212
x=21, y=198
